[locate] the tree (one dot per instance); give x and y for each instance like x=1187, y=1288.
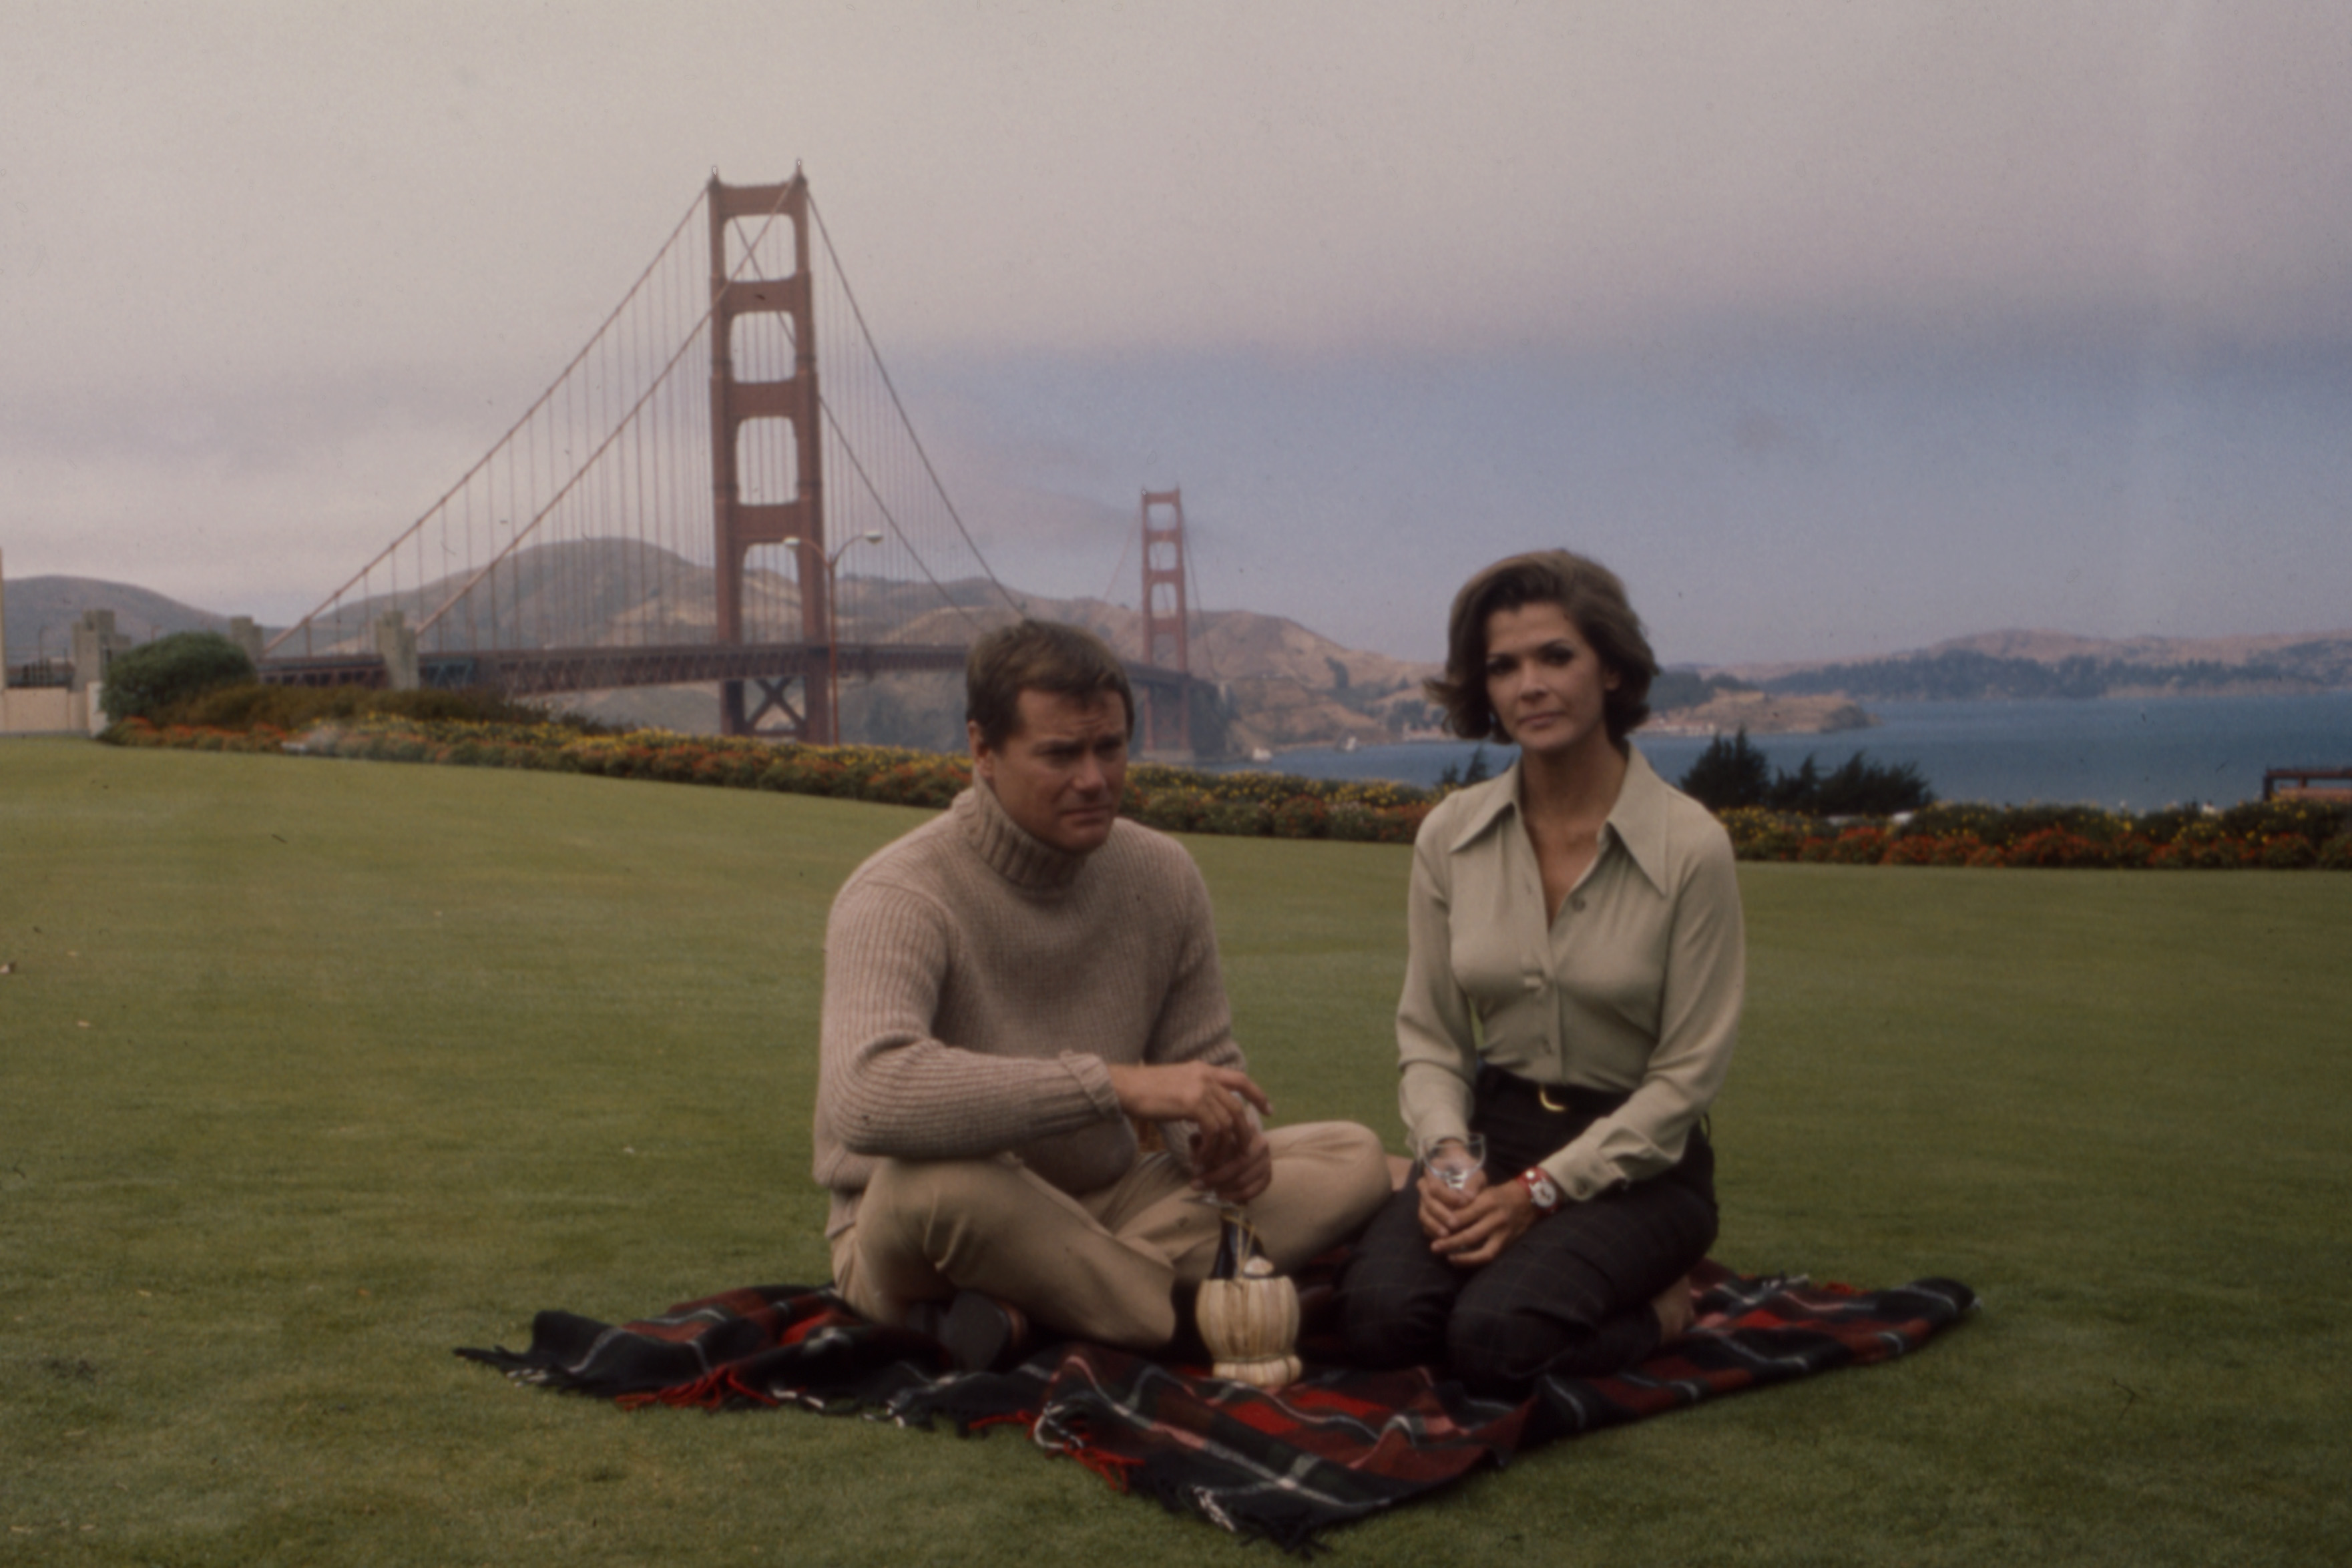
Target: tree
x=1478, y=772
x=144, y=681
x=1856, y=787
x=1729, y=774
x=1797, y=791
x=1861, y=788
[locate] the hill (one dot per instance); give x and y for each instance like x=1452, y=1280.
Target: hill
x=41, y=612
x=2025, y=663
x=1279, y=684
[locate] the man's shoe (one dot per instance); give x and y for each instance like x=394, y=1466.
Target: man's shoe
x=979, y=1333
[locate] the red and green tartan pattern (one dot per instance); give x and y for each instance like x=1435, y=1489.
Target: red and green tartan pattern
x=1339, y=1445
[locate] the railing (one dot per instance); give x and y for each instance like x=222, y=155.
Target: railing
x=2292, y=782
x=41, y=673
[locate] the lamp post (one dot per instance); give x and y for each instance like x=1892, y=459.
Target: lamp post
x=833, y=621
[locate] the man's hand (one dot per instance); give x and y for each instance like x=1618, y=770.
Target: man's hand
x=1230, y=1156
x=1237, y=1167
x=1476, y=1230
x=1213, y=1098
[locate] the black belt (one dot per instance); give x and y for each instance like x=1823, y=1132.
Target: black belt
x=1559, y=1099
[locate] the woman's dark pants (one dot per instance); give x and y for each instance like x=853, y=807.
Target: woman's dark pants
x=1571, y=1296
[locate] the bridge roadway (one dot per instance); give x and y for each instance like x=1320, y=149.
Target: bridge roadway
x=536, y=672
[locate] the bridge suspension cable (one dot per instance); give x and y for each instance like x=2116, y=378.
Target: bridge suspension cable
x=589, y=523
x=889, y=386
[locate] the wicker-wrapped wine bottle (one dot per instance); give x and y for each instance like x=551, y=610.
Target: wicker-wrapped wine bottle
x=1248, y=1313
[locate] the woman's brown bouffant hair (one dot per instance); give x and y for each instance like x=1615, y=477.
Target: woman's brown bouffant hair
x=1588, y=593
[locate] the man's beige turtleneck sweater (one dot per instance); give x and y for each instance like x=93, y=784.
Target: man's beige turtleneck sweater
x=980, y=984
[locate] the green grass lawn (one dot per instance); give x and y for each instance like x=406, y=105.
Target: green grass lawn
x=311, y=1070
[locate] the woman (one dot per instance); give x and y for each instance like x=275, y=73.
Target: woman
x=1572, y=995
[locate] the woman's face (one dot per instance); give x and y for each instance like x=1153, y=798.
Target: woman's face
x=1546, y=684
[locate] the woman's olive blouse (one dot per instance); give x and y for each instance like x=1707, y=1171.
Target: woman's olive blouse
x=1634, y=988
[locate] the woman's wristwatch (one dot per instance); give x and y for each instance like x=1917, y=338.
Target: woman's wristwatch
x=1542, y=1191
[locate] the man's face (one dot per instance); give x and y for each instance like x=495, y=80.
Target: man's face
x=1061, y=771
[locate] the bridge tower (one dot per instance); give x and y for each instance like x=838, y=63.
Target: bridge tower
x=1167, y=712
x=738, y=525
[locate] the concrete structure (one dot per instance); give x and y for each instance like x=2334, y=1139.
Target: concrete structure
x=247, y=636
x=43, y=710
x=48, y=710
x=396, y=644
x=95, y=644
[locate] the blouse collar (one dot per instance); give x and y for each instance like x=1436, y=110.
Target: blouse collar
x=1638, y=820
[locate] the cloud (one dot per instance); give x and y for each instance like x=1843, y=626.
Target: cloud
x=1384, y=287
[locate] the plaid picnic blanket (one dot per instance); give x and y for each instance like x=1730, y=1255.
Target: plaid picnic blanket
x=1339, y=1445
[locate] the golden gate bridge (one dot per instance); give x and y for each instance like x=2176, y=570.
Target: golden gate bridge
x=694, y=500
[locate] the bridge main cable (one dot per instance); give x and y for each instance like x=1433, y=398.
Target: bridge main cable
x=498, y=445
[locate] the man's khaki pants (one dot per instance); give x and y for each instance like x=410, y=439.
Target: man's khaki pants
x=1103, y=1266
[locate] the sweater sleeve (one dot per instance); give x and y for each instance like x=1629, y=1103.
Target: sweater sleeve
x=1195, y=1022
x=888, y=1087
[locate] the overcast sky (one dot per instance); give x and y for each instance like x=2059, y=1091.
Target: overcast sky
x=1836, y=327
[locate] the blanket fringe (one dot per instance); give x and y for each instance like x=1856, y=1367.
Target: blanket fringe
x=715, y=1390
x=1116, y=1470
x=1290, y=1524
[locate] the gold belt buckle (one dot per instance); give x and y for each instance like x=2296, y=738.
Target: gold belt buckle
x=1543, y=1098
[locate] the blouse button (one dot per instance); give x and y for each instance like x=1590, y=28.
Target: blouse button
x=1535, y=982
x=1576, y=904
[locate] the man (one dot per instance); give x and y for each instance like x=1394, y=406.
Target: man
x=1010, y=989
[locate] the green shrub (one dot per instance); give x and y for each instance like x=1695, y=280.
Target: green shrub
x=1858, y=846
x=1172, y=811
x=2164, y=826
x=1951, y=819
x=2289, y=851
x=247, y=705
x=2313, y=822
x=144, y=681
x=1757, y=834
x=2285, y=835
x=1301, y=817
x=2054, y=846
x=1239, y=819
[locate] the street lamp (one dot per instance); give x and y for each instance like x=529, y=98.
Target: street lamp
x=833, y=620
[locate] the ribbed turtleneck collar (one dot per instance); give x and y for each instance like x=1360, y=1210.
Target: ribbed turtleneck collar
x=1018, y=855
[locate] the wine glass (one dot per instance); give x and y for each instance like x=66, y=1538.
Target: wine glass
x=1455, y=1159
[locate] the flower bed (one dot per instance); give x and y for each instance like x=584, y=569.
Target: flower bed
x=2288, y=836
x=1180, y=799
x=2283, y=835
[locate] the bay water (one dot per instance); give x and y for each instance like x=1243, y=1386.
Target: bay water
x=2129, y=753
